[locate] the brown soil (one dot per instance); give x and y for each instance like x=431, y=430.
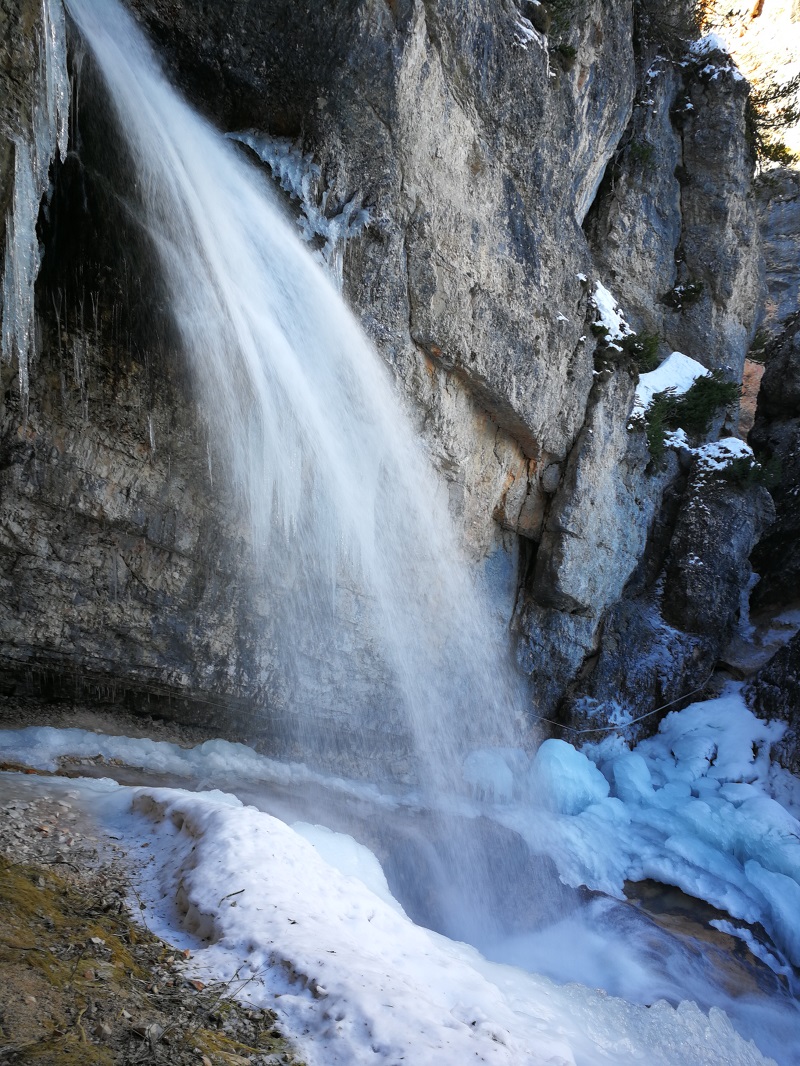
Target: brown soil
x=81, y=981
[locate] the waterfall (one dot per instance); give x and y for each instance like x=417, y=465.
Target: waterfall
x=344, y=509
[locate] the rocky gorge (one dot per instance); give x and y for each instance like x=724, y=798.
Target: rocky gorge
x=470, y=173
x=399, y=606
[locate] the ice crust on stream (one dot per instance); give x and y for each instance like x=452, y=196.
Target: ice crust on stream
x=352, y=979
x=699, y=806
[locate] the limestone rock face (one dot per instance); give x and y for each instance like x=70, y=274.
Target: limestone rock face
x=676, y=226
x=597, y=524
x=509, y=156
x=778, y=193
x=116, y=555
x=775, y=438
x=706, y=572
x=775, y=693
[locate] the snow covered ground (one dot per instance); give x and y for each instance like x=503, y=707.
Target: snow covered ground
x=306, y=922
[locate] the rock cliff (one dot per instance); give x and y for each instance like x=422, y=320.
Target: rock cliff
x=488, y=163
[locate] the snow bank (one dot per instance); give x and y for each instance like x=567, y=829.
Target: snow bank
x=215, y=762
x=678, y=372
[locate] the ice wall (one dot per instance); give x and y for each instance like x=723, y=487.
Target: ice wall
x=34, y=151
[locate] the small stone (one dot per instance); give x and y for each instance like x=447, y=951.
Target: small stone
x=206, y=1061
x=153, y=1032
x=103, y=1031
x=30, y=1000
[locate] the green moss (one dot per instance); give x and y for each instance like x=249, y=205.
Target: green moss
x=66, y=964
x=217, y=1046
x=641, y=153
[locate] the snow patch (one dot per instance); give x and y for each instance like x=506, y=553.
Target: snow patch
x=710, y=42
x=720, y=454
x=677, y=372
x=610, y=315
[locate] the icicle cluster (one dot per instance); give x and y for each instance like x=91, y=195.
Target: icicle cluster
x=300, y=177
x=34, y=153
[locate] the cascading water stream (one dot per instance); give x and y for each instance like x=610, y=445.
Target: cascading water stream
x=341, y=500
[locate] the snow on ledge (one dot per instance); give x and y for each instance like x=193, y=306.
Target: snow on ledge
x=610, y=315
x=721, y=453
x=711, y=42
x=678, y=372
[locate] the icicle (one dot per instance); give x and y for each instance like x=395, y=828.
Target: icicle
x=22, y=265
x=33, y=155
x=300, y=177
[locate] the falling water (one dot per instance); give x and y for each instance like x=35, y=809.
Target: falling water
x=344, y=509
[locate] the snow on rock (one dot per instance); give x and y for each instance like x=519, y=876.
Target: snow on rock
x=525, y=33
x=721, y=453
x=677, y=372
x=610, y=315
x=691, y=807
x=711, y=42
